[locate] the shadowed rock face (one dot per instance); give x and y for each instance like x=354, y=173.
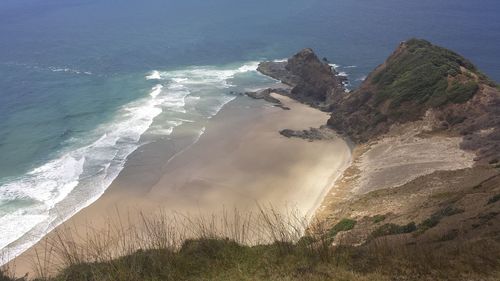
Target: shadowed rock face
x=314, y=82
x=478, y=121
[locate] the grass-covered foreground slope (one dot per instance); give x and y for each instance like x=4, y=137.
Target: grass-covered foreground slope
x=160, y=253
x=423, y=80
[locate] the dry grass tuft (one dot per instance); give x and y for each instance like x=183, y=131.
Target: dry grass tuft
x=266, y=245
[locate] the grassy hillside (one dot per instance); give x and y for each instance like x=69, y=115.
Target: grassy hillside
x=213, y=256
x=426, y=74
x=416, y=78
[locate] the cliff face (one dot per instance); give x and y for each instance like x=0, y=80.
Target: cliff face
x=423, y=80
x=313, y=82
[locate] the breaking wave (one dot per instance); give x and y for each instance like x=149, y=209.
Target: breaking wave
x=32, y=205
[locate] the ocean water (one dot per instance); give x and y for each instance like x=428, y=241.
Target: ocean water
x=84, y=83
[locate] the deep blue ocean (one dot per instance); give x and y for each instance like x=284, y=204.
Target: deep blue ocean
x=83, y=81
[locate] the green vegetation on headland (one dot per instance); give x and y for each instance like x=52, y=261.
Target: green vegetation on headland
x=421, y=80
x=432, y=221
x=427, y=74
x=343, y=225
x=392, y=229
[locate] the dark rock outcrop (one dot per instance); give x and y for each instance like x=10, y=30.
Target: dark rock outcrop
x=265, y=94
x=278, y=71
x=313, y=82
x=312, y=134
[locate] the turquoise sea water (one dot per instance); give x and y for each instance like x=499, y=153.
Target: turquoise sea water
x=83, y=83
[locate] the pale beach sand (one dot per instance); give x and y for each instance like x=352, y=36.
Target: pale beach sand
x=240, y=161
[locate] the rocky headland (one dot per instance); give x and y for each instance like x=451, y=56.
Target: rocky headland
x=426, y=129
x=423, y=81
x=312, y=81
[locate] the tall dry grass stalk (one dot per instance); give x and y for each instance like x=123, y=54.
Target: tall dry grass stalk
x=71, y=245
x=128, y=247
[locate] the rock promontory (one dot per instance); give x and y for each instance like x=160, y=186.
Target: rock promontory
x=418, y=81
x=313, y=81
x=422, y=81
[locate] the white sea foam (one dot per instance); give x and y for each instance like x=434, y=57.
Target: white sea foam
x=17, y=222
x=184, y=120
x=93, y=167
x=50, y=68
x=204, y=75
x=56, y=190
x=105, y=141
x=69, y=70
x=248, y=67
x=154, y=75
x=47, y=184
x=215, y=109
x=362, y=78
x=162, y=131
x=156, y=90
x=179, y=80
x=335, y=66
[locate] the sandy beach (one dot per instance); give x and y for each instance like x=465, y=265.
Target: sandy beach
x=240, y=161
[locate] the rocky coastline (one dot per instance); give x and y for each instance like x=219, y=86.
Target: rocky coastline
x=426, y=121
x=469, y=106
x=312, y=81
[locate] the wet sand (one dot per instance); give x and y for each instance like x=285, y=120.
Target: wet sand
x=239, y=162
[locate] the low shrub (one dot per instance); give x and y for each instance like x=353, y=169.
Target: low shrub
x=460, y=93
x=343, y=225
x=378, y=218
x=420, y=74
x=392, y=229
x=437, y=216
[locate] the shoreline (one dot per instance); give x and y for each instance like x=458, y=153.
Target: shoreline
x=220, y=169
